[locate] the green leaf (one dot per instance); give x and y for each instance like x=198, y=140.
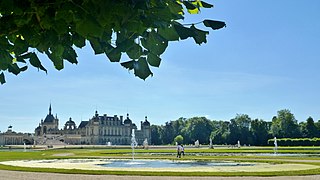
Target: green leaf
x=89, y=27
x=114, y=55
x=70, y=55
x=78, y=40
x=189, y=5
x=153, y=60
x=200, y=36
x=214, y=24
x=169, y=33
x=183, y=32
x=5, y=60
x=135, y=51
x=14, y=69
x=176, y=8
x=97, y=46
x=129, y=64
x=192, y=7
x=206, y=5
x=141, y=68
x=23, y=68
x=20, y=46
x=35, y=62
x=61, y=27
x=155, y=43
x=56, y=59
x=2, y=79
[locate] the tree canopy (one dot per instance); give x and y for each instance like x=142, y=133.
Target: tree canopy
x=141, y=29
x=248, y=131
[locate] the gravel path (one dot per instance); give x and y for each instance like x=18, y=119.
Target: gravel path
x=18, y=175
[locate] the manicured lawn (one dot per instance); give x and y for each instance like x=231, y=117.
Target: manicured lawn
x=245, y=154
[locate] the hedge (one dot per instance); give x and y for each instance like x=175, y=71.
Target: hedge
x=296, y=142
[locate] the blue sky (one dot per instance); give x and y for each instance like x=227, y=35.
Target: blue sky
x=265, y=60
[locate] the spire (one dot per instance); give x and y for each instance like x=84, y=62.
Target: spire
x=50, y=109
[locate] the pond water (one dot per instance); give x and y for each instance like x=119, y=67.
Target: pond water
x=15, y=150
x=169, y=163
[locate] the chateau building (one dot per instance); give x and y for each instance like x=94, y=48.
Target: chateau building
x=100, y=129
x=11, y=137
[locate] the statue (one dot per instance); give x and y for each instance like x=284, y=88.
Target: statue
x=210, y=145
x=145, y=144
x=197, y=144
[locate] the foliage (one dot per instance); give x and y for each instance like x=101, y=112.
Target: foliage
x=309, y=129
x=178, y=139
x=259, y=130
x=285, y=124
x=198, y=128
x=156, y=135
x=239, y=129
x=250, y=132
x=140, y=29
x=220, y=133
x=296, y=141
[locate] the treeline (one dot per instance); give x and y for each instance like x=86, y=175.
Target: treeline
x=248, y=131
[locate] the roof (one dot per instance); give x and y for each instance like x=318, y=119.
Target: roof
x=127, y=121
x=49, y=119
x=146, y=123
x=83, y=124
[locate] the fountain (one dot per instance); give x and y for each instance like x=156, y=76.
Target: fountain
x=275, y=145
x=133, y=143
x=239, y=144
x=24, y=147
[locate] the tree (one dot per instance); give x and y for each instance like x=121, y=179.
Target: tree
x=220, y=132
x=285, y=125
x=198, y=128
x=156, y=134
x=168, y=133
x=178, y=139
x=239, y=129
x=141, y=29
x=259, y=130
x=309, y=128
x=178, y=125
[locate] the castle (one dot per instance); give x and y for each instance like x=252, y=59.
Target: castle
x=99, y=130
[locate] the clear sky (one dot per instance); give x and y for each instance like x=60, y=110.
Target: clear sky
x=265, y=60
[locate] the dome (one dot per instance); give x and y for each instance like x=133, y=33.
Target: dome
x=127, y=121
x=146, y=123
x=70, y=121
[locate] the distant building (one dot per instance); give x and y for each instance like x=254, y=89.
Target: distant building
x=13, y=138
x=97, y=130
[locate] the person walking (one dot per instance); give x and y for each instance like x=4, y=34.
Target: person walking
x=182, y=150
x=179, y=149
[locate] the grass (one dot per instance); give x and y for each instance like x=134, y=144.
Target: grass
x=234, y=154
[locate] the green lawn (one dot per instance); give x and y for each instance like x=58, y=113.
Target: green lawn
x=246, y=154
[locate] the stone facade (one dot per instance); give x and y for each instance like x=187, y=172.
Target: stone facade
x=100, y=129
x=13, y=138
